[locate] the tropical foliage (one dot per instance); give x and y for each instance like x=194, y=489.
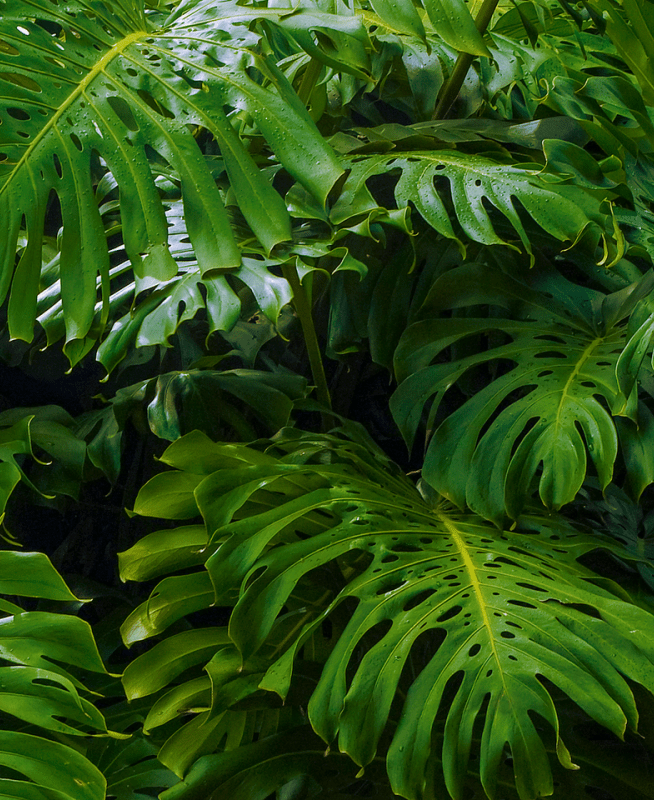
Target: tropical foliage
x=327, y=435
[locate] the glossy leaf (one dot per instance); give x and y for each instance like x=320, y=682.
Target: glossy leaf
x=452, y=21
x=496, y=608
x=564, y=212
x=169, y=659
x=105, y=95
x=50, y=765
x=44, y=640
x=32, y=575
x=43, y=698
x=565, y=353
x=163, y=552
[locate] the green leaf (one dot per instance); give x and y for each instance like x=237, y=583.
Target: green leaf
x=167, y=660
x=185, y=401
x=255, y=771
x=543, y=411
x=131, y=766
x=171, y=599
x=164, y=551
x=565, y=212
x=193, y=695
x=44, y=640
x=117, y=102
x=400, y=15
x=43, y=698
x=165, y=496
x=452, y=21
x=32, y=575
x=494, y=610
x=52, y=767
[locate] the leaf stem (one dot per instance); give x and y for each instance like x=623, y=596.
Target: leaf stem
x=303, y=310
x=309, y=80
x=455, y=82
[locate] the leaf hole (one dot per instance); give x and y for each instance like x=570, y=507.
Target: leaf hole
x=548, y=337
x=18, y=113
x=532, y=587
x=418, y=599
x=390, y=588
x=474, y=650
x=152, y=103
x=123, y=112
x=406, y=548
x=449, y=614
x=521, y=603
x=507, y=635
x=551, y=354
x=57, y=165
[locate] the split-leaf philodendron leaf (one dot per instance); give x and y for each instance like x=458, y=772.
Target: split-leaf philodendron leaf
x=497, y=611
x=572, y=362
x=114, y=85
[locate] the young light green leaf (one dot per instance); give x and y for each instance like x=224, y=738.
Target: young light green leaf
x=167, y=660
x=32, y=575
x=171, y=599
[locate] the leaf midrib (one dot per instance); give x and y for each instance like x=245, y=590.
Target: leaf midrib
x=578, y=367
x=79, y=90
x=476, y=587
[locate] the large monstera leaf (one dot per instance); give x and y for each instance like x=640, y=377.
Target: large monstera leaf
x=466, y=619
x=92, y=84
x=571, y=362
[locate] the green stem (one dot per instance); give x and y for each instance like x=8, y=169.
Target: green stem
x=309, y=80
x=303, y=310
x=455, y=82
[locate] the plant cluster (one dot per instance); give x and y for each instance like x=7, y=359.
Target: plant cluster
x=362, y=504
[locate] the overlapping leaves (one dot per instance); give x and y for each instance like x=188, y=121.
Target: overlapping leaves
x=571, y=362
x=119, y=84
x=41, y=653
x=491, y=610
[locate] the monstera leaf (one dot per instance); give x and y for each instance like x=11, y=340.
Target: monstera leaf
x=41, y=652
x=570, y=358
x=476, y=182
x=469, y=620
x=85, y=86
